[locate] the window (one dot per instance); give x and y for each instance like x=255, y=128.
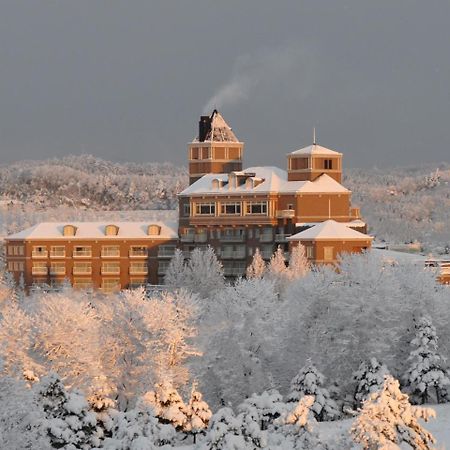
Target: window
x=110, y=250
x=69, y=230
x=39, y=268
x=154, y=230
x=138, y=251
x=82, y=283
x=16, y=266
x=57, y=251
x=80, y=252
x=328, y=253
x=111, y=230
x=266, y=234
x=290, y=206
x=111, y=268
x=232, y=234
x=166, y=251
x=82, y=268
x=15, y=250
x=328, y=164
x=194, y=153
x=205, y=209
x=162, y=267
x=266, y=251
x=39, y=252
x=110, y=284
x=138, y=268
x=186, y=209
x=57, y=268
x=137, y=282
x=257, y=208
x=230, y=208
x=309, y=252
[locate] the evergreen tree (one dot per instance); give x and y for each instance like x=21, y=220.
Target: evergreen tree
x=198, y=414
x=69, y=419
x=369, y=378
x=168, y=405
x=175, y=276
x=257, y=267
x=387, y=420
x=428, y=370
x=298, y=262
x=309, y=381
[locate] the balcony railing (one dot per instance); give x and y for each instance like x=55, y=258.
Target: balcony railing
x=39, y=270
x=266, y=238
x=82, y=253
x=141, y=253
x=233, y=271
x=233, y=255
x=162, y=270
x=166, y=253
x=281, y=238
x=232, y=238
x=203, y=237
x=57, y=254
x=187, y=238
x=57, y=270
x=285, y=214
x=82, y=270
x=110, y=253
x=110, y=271
x=39, y=254
x=139, y=270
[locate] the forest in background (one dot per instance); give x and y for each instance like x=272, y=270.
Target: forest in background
x=401, y=205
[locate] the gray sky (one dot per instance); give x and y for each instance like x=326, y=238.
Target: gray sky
x=127, y=80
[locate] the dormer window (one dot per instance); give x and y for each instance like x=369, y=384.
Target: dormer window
x=69, y=230
x=153, y=230
x=216, y=183
x=111, y=230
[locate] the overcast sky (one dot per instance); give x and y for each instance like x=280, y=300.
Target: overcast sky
x=127, y=80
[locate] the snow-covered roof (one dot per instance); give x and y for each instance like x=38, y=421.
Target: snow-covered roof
x=275, y=180
x=357, y=223
x=315, y=149
x=89, y=230
x=219, y=130
x=329, y=230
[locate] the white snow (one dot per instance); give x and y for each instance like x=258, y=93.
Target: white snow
x=330, y=229
x=315, y=149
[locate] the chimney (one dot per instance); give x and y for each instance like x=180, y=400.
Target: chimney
x=204, y=127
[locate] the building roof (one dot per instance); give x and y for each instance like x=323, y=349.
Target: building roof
x=268, y=180
x=315, y=149
x=329, y=230
x=357, y=223
x=219, y=130
x=89, y=230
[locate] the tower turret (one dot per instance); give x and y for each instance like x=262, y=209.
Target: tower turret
x=215, y=150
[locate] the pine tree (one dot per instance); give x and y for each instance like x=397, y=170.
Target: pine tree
x=257, y=267
x=168, y=405
x=198, y=414
x=277, y=264
x=309, y=381
x=369, y=378
x=387, y=420
x=69, y=420
x=428, y=370
x=298, y=262
x=175, y=276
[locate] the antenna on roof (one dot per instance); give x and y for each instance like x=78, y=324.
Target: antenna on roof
x=314, y=136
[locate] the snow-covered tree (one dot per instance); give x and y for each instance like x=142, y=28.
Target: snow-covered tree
x=428, y=371
x=298, y=262
x=369, y=378
x=168, y=405
x=264, y=408
x=22, y=419
x=198, y=414
x=69, y=421
x=309, y=381
x=257, y=267
x=387, y=419
x=277, y=264
x=205, y=272
x=176, y=274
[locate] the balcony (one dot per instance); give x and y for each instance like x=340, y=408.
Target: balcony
x=233, y=255
x=141, y=270
x=232, y=238
x=57, y=270
x=233, y=271
x=110, y=253
x=139, y=253
x=281, y=238
x=187, y=238
x=87, y=253
x=285, y=214
x=265, y=237
x=162, y=269
x=82, y=271
x=166, y=253
x=39, y=270
x=58, y=253
x=202, y=237
x=39, y=254
x=110, y=271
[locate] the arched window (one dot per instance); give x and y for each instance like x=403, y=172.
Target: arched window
x=111, y=230
x=69, y=230
x=153, y=230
